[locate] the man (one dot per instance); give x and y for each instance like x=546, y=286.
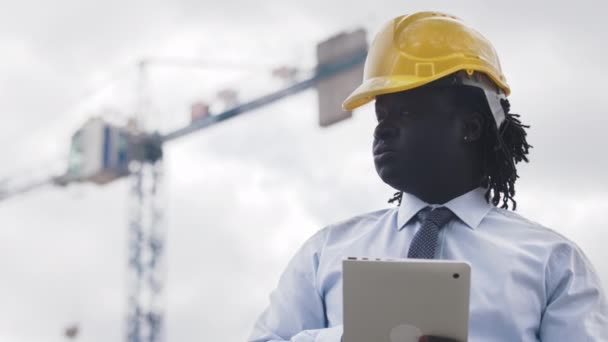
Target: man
x=446, y=140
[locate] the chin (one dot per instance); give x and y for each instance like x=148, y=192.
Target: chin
x=402, y=179
x=392, y=177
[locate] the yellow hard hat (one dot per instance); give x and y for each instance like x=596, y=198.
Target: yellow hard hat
x=416, y=49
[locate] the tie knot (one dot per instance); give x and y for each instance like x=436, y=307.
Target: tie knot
x=438, y=216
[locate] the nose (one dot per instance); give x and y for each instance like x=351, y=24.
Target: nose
x=385, y=130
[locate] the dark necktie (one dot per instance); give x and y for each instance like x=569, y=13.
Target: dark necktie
x=425, y=241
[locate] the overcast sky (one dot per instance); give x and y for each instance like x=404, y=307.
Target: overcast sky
x=242, y=196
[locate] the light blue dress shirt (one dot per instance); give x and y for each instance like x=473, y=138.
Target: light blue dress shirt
x=528, y=283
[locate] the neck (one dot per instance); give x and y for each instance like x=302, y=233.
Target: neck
x=441, y=189
x=441, y=196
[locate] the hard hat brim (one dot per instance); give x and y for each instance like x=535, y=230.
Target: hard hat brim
x=375, y=86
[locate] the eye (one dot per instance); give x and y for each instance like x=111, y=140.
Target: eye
x=409, y=114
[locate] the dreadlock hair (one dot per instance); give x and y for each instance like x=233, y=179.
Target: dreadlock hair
x=501, y=148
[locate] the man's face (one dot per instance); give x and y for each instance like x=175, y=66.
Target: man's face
x=419, y=138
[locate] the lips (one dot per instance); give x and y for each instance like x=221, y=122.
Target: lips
x=384, y=154
x=385, y=157
x=382, y=149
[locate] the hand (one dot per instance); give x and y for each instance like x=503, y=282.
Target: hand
x=436, y=339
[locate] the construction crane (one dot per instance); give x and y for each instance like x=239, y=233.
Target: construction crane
x=102, y=153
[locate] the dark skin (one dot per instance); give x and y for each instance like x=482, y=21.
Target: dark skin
x=425, y=145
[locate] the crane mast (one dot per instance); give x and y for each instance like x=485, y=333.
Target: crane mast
x=146, y=270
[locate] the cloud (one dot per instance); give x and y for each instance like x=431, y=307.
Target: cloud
x=244, y=195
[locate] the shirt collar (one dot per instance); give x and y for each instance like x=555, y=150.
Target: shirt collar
x=470, y=207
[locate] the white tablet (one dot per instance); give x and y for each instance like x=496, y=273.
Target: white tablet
x=399, y=300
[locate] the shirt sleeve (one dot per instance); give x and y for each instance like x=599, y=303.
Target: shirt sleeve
x=576, y=309
x=297, y=311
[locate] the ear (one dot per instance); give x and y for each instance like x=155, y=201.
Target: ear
x=473, y=125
